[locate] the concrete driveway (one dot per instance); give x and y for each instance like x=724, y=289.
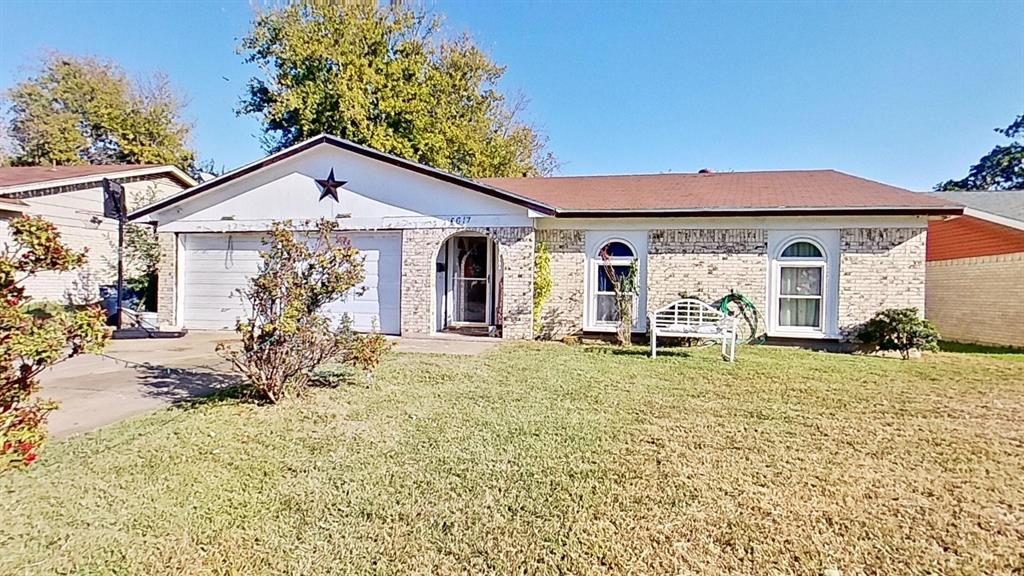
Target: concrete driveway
x=136, y=376
x=132, y=377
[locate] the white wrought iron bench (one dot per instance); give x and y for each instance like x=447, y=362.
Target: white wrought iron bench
x=691, y=318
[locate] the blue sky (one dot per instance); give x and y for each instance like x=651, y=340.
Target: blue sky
x=904, y=93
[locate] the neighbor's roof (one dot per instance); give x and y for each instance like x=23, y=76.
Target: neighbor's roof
x=770, y=192
x=22, y=178
x=1005, y=203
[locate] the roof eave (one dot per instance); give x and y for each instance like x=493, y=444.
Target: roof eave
x=994, y=218
x=780, y=211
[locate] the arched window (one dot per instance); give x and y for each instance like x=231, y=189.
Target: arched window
x=800, y=279
x=802, y=249
x=616, y=256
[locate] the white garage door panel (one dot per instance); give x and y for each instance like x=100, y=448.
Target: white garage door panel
x=215, y=267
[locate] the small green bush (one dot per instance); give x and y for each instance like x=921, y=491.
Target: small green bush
x=900, y=329
x=333, y=375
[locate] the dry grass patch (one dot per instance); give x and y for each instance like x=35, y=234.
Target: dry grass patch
x=552, y=459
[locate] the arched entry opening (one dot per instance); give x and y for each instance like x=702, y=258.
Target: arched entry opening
x=468, y=285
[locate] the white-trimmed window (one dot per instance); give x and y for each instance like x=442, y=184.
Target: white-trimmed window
x=621, y=255
x=802, y=296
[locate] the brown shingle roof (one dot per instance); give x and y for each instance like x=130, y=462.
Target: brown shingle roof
x=781, y=191
x=26, y=175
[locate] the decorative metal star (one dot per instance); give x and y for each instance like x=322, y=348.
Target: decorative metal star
x=329, y=187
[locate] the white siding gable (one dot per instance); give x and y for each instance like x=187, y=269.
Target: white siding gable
x=376, y=195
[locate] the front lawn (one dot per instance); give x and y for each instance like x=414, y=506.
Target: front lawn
x=551, y=459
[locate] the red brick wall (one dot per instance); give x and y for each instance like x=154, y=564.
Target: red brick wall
x=968, y=237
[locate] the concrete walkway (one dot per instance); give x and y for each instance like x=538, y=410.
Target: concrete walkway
x=137, y=376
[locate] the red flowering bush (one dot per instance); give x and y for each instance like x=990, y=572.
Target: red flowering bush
x=31, y=343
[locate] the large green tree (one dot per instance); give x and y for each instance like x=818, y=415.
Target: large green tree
x=80, y=110
x=1000, y=169
x=388, y=77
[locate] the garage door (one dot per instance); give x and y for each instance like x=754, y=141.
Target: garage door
x=216, y=265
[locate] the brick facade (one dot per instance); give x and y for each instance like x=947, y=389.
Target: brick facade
x=979, y=300
x=419, y=300
x=167, y=279
x=706, y=264
x=879, y=268
x=562, y=313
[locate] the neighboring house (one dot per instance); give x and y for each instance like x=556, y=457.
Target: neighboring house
x=72, y=198
x=818, y=251
x=976, y=269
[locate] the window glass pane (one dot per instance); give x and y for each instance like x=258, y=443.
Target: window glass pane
x=605, y=309
x=617, y=249
x=800, y=312
x=801, y=250
x=800, y=281
x=604, y=282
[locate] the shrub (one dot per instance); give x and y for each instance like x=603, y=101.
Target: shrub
x=33, y=338
x=625, y=288
x=900, y=329
x=366, y=351
x=284, y=338
x=541, y=284
x=334, y=375
x=44, y=308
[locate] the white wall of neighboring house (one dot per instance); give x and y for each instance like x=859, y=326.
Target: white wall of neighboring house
x=78, y=216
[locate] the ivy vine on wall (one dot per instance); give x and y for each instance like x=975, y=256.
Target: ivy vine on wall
x=541, y=284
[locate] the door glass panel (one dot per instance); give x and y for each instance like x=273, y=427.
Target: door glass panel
x=471, y=280
x=803, y=312
x=471, y=254
x=471, y=300
x=801, y=281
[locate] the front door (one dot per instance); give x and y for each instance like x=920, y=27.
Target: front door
x=472, y=280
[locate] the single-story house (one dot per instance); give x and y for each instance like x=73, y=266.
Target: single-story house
x=72, y=198
x=975, y=269
x=818, y=251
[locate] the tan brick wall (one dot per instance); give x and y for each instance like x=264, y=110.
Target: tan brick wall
x=979, y=300
x=167, y=279
x=879, y=268
x=706, y=264
x=419, y=256
x=562, y=314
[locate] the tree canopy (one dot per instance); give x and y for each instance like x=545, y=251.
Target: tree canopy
x=1000, y=169
x=386, y=76
x=80, y=110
